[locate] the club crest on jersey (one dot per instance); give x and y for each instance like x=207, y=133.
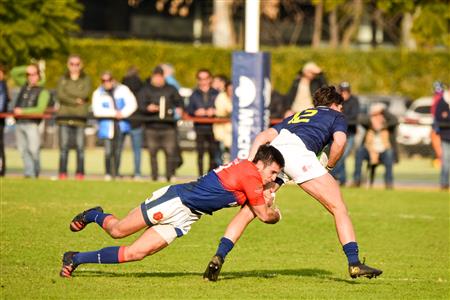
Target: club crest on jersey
x=157, y=216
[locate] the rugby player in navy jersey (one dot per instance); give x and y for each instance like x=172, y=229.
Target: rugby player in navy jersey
x=170, y=211
x=301, y=138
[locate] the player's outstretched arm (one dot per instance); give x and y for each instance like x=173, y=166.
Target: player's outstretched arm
x=262, y=138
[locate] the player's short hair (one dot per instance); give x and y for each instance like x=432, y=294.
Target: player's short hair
x=326, y=96
x=269, y=154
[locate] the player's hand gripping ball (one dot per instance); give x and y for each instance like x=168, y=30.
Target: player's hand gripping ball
x=323, y=159
x=269, y=197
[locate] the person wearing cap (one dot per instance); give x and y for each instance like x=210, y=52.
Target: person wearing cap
x=112, y=103
x=350, y=109
x=160, y=103
x=309, y=80
x=378, y=145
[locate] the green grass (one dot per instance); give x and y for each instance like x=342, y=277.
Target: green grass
x=405, y=233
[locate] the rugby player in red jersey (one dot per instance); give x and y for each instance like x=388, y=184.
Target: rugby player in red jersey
x=170, y=211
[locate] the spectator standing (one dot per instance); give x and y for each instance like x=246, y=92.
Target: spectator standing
x=113, y=103
x=160, y=103
x=169, y=75
x=378, y=145
x=32, y=99
x=442, y=119
x=219, y=82
x=351, y=112
x=134, y=83
x=4, y=100
x=310, y=79
x=72, y=94
x=201, y=104
x=223, y=131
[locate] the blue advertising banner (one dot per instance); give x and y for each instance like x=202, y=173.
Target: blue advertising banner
x=251, y=99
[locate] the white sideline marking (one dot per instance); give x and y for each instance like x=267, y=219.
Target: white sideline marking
x=424, y=217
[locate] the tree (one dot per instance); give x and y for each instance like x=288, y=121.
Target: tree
x=318, y=15
x=424, y=22
x=352, y=29
x=222, y=24
x=430, y=24
x=35, y=29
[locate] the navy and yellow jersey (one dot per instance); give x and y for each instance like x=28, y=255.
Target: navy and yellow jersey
x=230, y=185
x=314, y=126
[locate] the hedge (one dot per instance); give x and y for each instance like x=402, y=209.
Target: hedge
x=381, y=71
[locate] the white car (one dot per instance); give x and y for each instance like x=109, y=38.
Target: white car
x=415, y=128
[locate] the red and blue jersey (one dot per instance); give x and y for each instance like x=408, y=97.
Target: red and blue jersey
x=236, y=183
x=314, y=126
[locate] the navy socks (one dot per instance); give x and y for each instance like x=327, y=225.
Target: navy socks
x=225, y=246
x=97, y=217
x=351, y=251
x=109, y=255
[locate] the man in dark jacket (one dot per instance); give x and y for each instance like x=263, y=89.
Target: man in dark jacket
x=350, y=108
x=159, y=102
x=73, y=96
x=201, y=104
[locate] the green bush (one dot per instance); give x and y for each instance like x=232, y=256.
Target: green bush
x=383, y=71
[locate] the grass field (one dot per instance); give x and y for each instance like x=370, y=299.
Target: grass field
x=405, y=233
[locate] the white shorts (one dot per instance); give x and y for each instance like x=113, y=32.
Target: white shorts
x=300, y=164
x=166, y=214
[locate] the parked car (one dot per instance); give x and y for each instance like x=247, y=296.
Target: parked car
x=415, y=129
x=397, y=105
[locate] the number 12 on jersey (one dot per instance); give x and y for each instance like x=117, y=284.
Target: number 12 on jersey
x=303, y=117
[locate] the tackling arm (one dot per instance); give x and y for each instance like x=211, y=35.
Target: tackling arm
x=266, y=214
x=262, y=138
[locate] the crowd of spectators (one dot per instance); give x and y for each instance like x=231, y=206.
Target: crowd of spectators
x=148, y=110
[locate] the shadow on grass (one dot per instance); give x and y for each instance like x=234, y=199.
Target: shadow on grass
x=223, y=276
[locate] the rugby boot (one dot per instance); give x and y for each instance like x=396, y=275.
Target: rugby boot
x=213, y=269
x=79, y=222
x=360, y=269
x=68, y=265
